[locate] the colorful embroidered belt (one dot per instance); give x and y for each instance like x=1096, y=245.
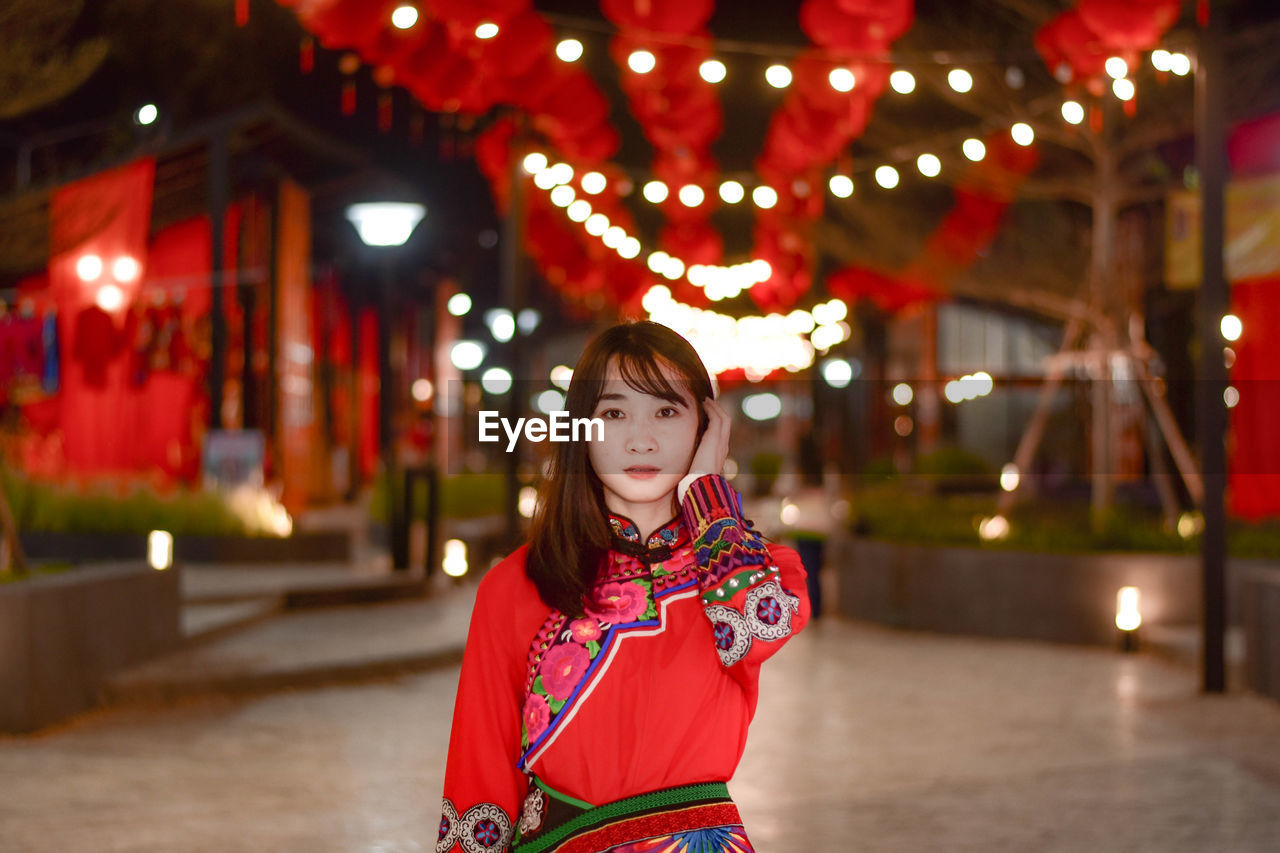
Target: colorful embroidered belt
x=698, y=817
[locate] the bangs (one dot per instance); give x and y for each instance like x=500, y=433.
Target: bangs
x=642, y=373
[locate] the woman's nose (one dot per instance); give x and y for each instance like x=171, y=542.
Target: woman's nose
x=640, y=438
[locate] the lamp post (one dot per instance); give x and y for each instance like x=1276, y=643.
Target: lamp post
x=387, y=225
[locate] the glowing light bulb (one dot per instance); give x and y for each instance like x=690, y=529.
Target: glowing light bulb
x=713, y=71
x=778, y=76
x=929, y=165
x=974, y=149
x=486, y=30
x=887, y=177
x=534, y=162
x=594, y=183
x=731, y=192
x=404, y=17
x=1022, y=134
x=1073, y=112
x=903, y=82
x=569, y=50
x=841, y=79
x=642, y=61
x=841, y=186
x=691, y=195
x=655, y=192
x=764, y=197
x=960, y=80
x=1123, y=89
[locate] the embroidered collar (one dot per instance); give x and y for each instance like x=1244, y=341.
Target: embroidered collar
x=662, y=542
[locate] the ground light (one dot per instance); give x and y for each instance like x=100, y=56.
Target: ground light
x=455, y=558
x=160, y=549
x=1127, y=617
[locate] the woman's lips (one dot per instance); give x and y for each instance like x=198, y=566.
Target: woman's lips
x=641, y=472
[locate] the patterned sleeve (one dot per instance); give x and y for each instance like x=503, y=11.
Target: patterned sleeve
x=483, y=788
x=753, y=593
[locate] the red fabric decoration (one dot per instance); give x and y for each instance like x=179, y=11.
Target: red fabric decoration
x=1134, y=25
x=866, y=27
x=681, y=17
x=468, y=14
x=1067, y=40
x=1254, y=454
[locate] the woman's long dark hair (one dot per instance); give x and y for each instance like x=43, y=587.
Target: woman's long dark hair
x=569, y=536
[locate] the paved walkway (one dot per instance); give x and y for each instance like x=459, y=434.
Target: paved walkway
x=866, y=739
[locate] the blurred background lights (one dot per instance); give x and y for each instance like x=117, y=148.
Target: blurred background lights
x=562, y=173
x=1180, y=64
x=658, y=261
x=455, y=558
x=125, y=269
x=1010, y=477
x=160, y=549
x=1128, y=617
x=903, y=82
x=1161, y=59
x=109, y=298
x=1022, y=134
x=903, y=425
x=594, y=183
x=146, y=114
x=837, y=372
x=613, y=236
x=974, y=149
x=1123, y=89
x=544, y=180
x=528, y=501
x=1117, y=67
x=902, y=394
x=404, y=17
x=561, y=376
x=691, y=195
x=764, y=197
x=630, y=248
x=596, y=224
x=960, y=80
x=762, y=407
x=655, y=192
x=842, y=79
x=89, y=267
x=534, y=162
x=486, y=30
x=501, y=323
x=459, y=304
x=887, y=177
x=841, y=186
x=579, y=210
x=385, y=223
x=788, y=512
x=496, y=380
x=929, y=165
x=641, y=61
x=1231, y=396
x=778, y=76
x=467, y=355
x=563, y=195
x=731, y=192
x=713, y=71
x=1231, y=327
x=1073, y=112
x=421, y=390
x=549, y=401
x=569, y=50
x=994, y=528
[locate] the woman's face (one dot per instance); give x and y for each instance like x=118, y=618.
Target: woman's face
x=648, y=443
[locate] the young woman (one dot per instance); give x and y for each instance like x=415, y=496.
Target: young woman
x=612, y=663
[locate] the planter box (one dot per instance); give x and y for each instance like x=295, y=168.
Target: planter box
x=1059, y=597
x=85, y=547
x=62, y=635
x=1260, y=601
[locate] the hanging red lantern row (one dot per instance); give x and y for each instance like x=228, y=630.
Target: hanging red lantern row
x=814, y=125
x=678, y=111
x=1077, y=43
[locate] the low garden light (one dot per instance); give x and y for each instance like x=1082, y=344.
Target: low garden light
x=455, y=558
x=160, y=550
x=1128, y=617
x=993, y=528
x=1010, y=477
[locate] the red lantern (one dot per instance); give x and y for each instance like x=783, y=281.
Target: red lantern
x=659, y=16
x=1068, y=40
x=1132, y=25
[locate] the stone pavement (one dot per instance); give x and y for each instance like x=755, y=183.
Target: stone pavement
x=866, y=739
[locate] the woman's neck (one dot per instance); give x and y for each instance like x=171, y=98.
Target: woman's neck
x=648, y=516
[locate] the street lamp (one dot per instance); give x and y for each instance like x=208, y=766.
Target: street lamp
x=387, y=225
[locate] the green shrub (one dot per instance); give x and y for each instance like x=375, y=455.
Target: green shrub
x=461, y=496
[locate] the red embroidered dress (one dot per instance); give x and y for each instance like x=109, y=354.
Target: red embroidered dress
x=560, y=718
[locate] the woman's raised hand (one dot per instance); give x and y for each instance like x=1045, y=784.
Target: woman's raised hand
x=713, y=448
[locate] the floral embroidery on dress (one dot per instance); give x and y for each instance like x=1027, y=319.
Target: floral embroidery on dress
x=533, y=810
x=565, y=652
x=485, y=827
x=766, y=615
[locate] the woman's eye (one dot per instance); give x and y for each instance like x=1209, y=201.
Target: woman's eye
x=669, y=411
x=610, y=414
